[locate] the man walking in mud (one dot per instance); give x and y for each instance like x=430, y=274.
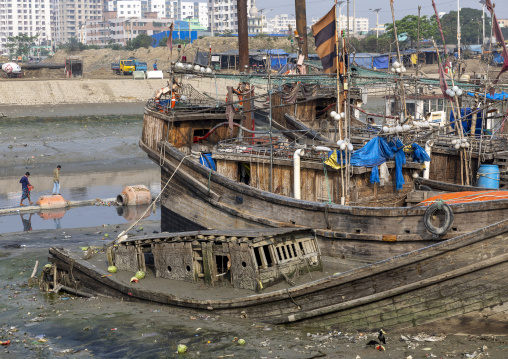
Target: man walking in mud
x=56, y=180
x=26, y=187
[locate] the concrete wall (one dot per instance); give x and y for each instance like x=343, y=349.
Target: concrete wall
x=93, y=91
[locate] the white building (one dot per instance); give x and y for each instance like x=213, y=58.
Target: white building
x=128, y=8
x=159, y=7
x=361, y=24
x=279, y=24
x=182, y=10
x=30, y=17
x=223, y=15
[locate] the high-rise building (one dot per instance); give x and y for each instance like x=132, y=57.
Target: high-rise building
x=223, y=14
x=279, y=24
x=30, y=17
x=182, y=10
x=69, y=17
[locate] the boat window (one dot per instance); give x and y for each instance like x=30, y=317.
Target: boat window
x=301, y=247
x=410, y=106
x=244, y=173
x=222, y=264
x=268, y=256
x=200, y=132
x=258, y=257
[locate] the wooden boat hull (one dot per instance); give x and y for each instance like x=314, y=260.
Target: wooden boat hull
x=449, y=279
x=213, y=201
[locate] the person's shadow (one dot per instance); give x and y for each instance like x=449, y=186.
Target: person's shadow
x=27, y=223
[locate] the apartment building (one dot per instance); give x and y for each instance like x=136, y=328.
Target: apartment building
x=279, y=24
x=223, y=14
x=68, y=18
x=30, y=17
x=114, y=30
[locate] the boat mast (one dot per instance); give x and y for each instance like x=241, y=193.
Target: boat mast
x=400, y=62
x=301, y=25
x=243, y=59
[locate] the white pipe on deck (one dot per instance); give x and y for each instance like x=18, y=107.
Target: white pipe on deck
x=322, y=148
x=296, y=167
x=428, y=149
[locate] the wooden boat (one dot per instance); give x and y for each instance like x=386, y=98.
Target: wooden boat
x=448, y=279
x=374, y=225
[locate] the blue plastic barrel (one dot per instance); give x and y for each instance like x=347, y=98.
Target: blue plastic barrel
x=488, y=176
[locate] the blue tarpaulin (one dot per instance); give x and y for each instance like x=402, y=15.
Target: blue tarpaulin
x=377, y=151
x=363, y=59
x=381, y=62
x=497, y=59
x=419, y=154
x=177, y=34
x=497, y=96
x=466, y=124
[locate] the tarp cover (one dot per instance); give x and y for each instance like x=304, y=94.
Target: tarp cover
x=497, y=96
x=466, y=123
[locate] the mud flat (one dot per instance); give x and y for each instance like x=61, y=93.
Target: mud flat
x=53, y=325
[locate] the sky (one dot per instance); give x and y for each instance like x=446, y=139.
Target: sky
x=318, y=8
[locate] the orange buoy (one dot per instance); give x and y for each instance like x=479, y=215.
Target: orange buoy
x=51, y=202
x=134, y=195
x=173, y=101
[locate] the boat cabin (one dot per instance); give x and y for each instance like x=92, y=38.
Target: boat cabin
x=250, y=259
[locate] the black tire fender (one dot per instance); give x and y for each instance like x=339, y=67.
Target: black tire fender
x=423, y=187
x=448, y=220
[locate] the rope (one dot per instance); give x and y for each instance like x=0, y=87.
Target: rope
x=150, y=206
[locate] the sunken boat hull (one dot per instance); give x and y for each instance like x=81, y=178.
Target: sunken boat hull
x=447, y=280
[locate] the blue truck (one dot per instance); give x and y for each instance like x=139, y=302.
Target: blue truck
x=140, y=65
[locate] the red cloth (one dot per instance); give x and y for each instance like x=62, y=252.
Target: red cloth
x=499, y=37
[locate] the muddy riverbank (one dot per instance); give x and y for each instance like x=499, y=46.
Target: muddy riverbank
x=43, y=325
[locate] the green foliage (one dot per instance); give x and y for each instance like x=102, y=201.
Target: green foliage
x=163, y=42
x=20, y=45
x=73, y=45
x=228, y=33
x=158, y=24
x=371, y=44
x=470, y=23
x=142, y=40
x=409, y=24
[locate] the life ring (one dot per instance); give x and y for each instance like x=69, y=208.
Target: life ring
x=448, y=218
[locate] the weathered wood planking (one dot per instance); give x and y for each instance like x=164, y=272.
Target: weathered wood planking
x=448, y=279
x=242, y=206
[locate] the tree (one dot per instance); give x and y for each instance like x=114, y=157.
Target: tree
x=20, y=45
x=142, y=40
x=471, y=26
x=409, y=25
x=73, y=45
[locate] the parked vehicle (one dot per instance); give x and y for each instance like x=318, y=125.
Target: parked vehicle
x=139, y=65
x=124, y=67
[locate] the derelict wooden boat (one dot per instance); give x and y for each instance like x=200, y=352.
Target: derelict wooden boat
x=448, y=279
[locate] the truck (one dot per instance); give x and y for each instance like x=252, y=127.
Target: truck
x=124, y=67
x=139, y=65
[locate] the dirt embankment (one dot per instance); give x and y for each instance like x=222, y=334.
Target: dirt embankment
x=97, y=63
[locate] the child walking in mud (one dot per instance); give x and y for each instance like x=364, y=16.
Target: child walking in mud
x=26, y=187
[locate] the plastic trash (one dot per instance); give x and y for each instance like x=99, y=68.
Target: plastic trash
x=241, y=341
x=182, y=348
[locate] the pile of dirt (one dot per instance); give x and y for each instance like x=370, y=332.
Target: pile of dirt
x=97, y=63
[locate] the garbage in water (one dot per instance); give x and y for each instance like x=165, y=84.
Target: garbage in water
x=182, y=348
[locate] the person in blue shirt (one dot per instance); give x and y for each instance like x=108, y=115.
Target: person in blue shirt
x=155, y=66
x=26, y=187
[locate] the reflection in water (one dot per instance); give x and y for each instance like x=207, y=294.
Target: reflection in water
x=27, y=223
x=132, y=213
x=87, y=216
x=79, y=192
x=54, y=214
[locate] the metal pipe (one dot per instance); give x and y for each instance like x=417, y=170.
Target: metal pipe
x=296, y=167
x=428, y=149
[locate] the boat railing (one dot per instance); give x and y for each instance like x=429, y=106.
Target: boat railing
x=276, y=148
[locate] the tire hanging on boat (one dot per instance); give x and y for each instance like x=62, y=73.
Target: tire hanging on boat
x=448, y=218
